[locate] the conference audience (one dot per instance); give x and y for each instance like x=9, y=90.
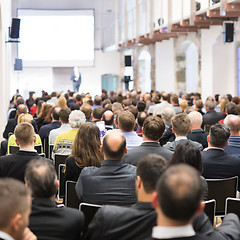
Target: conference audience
x=97, y=114
x=44, y=117
x=87, y=110
x=161, y=106
x=153, y=128
x=112, y=183
x=175, y=103
x=62, y=102
x=97, y=102
x=85, y=151
x=140, y=119
x=108, y=118
x=47, y=220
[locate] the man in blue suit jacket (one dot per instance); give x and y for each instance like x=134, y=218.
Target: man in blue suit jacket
x=76, y=78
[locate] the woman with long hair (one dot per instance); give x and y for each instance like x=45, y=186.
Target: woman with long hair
x=44, y=117
x=85, y=151
x=62, y=102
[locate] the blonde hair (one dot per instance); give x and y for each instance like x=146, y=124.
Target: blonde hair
x=25, y=117
x=183, y=104
x=62, y=102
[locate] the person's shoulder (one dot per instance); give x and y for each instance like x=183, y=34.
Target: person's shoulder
x=71, y=212
x=129, y=168
x=89, y=171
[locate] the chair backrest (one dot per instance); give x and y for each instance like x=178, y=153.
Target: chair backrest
x=13, y=149
x=71, y=198
x=61, y=190
x=220, y=189
x=50, y=149
x=42, y=155
x=210, y=208
x=59, y=159
x=46, y=146
x=233, y=206
x=89, y=211
x=38, y=148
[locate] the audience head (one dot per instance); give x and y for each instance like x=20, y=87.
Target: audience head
x=117, y=107
x=233, y=122
x=153, y=128
x=183, y=104
x=25, y=117
x=62, y=102
x=41, y=178
x=19, y=101
x=98, y=100
x=174, y=99
x=178, y=195
x=181, y=124
x=209, y=105
x=45, y=113
x=186, y=152
x=87, y=110
x=141, y=106
x=133, y=110
x=108, y=117
x=78, y=98
x=105, y=102
x=126, y=121
x=55, y=113
x=218, y=135
x=199, y=104
x=195, y=119
x=22, y=109
x=149, y=169
x=231, y=108
x=167, y=114
x=141, y=118
x=147, y=97
x=114, y=145
x=126, y=103
x=64, y=115
x=236, y=100
x=15, y=207
x=74, y=106
x=25, y=135
x=97, y=113
x=76, y=118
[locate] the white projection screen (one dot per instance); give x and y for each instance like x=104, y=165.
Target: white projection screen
x=56, y=38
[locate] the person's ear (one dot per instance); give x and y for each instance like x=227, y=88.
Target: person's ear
x=155, y=203
x=208, y=138
x=138, y=182
x=200, y=208
x=16, y=222
x=34, y=139
x=173, y=131
x=125, y=150
x=16, y=141
x=57, y=183
x=226, y=144
x=101, y=148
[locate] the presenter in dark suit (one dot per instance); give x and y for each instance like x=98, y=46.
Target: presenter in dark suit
x=153, y=129
x=47, y=220
x=76, y=78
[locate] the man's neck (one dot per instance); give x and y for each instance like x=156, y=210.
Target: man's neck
x=145, y=139
x=164, y=221
x=234, y=134
x=28, y=147
x=195, y=127
x=176, y=135
x=144, y=197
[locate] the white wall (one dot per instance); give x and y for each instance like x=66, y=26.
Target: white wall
x=165, y=66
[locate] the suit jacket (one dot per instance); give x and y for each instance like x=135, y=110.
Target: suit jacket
x=218, y=164
x=49, y=221
x=172, y=145
x=113, y=183
x=198, y=135
x=45, y=130
x=12, y=123
x=233, y=147
x=212, y=117
x=14, y=165
x=196, y=237
x=135, y=154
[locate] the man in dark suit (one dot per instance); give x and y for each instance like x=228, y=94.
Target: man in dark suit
x=197, y=134
x=211, y=117
x=180, y=127
x=45, y=129
x=153, y=128
x=47, y=220
x=114, y=182
x=14, y=211
x=217, y=163
x=76, y=78
x=177, y=200
x=14, y=165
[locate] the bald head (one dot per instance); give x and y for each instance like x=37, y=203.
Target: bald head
x=22, y=109
x=108, y=117
x=233, y=122
x=114, y=145
x=196, y=119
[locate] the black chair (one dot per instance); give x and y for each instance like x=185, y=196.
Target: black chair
x=50, y=149
x=210, y=208
x=61, y=190
x=220, y=189
x=39, y=148
x=71, y=198
x=59, y=159
x=233, y=206
x=45, y=147
x=13, y=149
x=89, y=211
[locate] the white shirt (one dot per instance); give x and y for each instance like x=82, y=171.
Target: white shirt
x=180, y=138
x=55, y=132
x=173, y=232
x=5, y=236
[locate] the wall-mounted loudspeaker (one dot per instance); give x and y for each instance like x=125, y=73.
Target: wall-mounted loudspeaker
x=14, y=32
x=18, y=64
x=128, y=61
x=228, y=32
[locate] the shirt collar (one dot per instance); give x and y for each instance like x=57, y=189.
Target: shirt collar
x=28, y=150
x=206, y=149
x=173, y=232
x=5, y=236
x=180, y=138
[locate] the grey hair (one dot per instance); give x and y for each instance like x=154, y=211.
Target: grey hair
x=77, y=118
x=195, y=118
x=168, y=113
x=209, y=104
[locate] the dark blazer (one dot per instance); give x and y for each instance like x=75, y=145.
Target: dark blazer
x=14, y=165
x=72, y=170
x=12, y=123
x=49, y=221
x=233, y=147
x=198, y=135
x=113, y=183
x=135, y=154
x=196, y=237
x=172, y=145
x=212, y=117
x=44, y=130
x=218, y=164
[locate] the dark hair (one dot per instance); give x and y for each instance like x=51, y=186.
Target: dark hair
x=97, y=100
x=64, y=115
x=133, y=110
x=71, y=94
x=97, y=112
x=78, y=98
x=105, y=102
x=188, y=153
x=153, y=128
x=22, y=109
x=179, y=192
x=149, y=168
x=232, y=108
x=109, y=153
x=74, y=106
x=236, y=100
x=181, y=124
x=141, y=117
x=126, y=121
x=126, y=102
x=109, y=121
x=20, y=101
x=218, y=135
x=87, y=110
x=229, y=96
x=141, y=105
x=41, y=177
x=55, y=113
x=174, y=98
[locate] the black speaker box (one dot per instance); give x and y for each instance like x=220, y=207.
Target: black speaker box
x=18, y=64
x=228, y=32
x=14, y=33
x=128, y=61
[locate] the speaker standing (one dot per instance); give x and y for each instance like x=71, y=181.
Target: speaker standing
x=76, y=78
